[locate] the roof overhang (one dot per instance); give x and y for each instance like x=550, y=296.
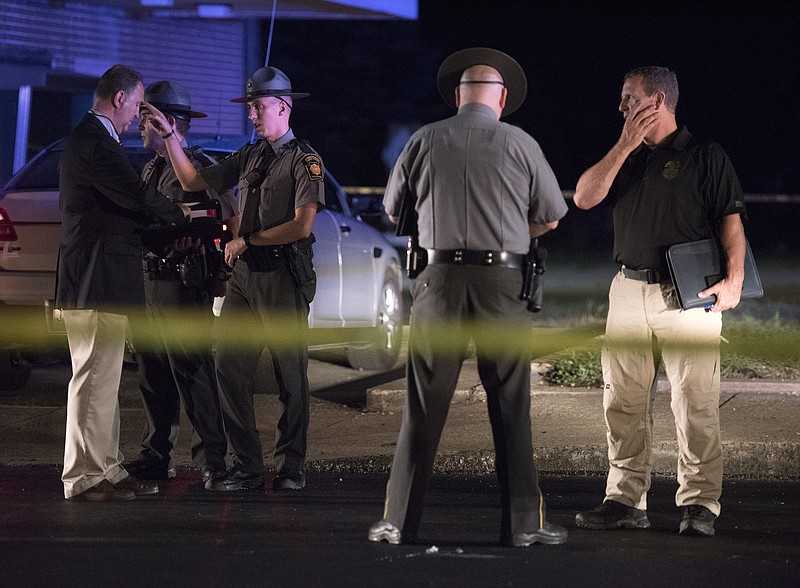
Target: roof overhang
x=284, y=9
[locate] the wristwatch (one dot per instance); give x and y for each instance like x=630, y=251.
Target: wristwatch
x=246, y=239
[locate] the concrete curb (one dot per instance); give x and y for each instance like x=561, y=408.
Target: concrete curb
x=760, y=439
x=742, y=460
x=391, y=397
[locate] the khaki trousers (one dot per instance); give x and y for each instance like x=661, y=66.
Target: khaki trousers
x=645, y=326
x=91, y=448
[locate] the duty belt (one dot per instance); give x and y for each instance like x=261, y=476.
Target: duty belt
x=157, y=268
x=472, y=257
x=649, y=276
x=264, y=258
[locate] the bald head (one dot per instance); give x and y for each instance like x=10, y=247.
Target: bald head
x=482, y=84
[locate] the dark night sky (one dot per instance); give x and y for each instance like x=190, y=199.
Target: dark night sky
x=738, y=68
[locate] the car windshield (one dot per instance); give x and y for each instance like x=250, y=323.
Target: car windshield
x=42, y=175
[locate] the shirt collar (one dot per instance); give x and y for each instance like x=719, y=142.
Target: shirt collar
x=477, y=108
x=675, y=142
x=282, y=141
x=106, y=122
x=680, y=138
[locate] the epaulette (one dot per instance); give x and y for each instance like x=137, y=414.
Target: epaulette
x=305, y=147
x=301, y=144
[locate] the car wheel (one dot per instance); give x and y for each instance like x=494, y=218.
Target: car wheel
x=14, y=370
x=382, y=354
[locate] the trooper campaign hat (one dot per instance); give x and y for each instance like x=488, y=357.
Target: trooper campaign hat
x=268, y=81
x=513, y=77
x=171, y=97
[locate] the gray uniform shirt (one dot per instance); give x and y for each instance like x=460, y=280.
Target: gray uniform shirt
x=293, y=178
x=478, y=183
x=169, y=184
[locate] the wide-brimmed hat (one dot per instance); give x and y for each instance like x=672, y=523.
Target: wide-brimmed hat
x=513, y=77
x=171, y=97
x=268, y=81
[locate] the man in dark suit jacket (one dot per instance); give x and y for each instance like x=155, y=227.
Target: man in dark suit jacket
x=103, y=202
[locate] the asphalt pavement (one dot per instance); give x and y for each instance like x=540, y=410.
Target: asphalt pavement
x=185, y=536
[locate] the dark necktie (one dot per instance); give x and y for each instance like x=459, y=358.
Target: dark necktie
x=254, y=179
x=155, y=171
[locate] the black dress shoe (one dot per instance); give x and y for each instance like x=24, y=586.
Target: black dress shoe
x=289, y=481
x=105, y=491
x=549, y=534
x=150, y=470
x=210, y=472
x=235, y=479
x=137, y=486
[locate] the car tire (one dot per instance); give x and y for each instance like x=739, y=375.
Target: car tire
x=14, y=370
x=382, y=354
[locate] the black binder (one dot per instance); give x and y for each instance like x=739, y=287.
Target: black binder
x=206, y=225
x=697, y=265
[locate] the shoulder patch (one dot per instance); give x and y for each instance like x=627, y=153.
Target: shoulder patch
x=313, y=166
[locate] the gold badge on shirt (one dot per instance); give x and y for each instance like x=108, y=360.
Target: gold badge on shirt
x=671, y=169
x=313, y=167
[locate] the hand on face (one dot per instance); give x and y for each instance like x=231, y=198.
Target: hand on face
x=640, y=118
x=641, y=112
x=150, y=137
x=154, y=117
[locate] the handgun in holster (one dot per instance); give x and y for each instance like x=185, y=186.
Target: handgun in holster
x=200, y=269
x=416, y=256
x=532, y=276
x=299, y=261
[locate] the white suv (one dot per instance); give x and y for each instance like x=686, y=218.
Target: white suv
x=358, y=305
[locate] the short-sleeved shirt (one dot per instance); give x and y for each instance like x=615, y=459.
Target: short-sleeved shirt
x=675, y=193
x=478, y=183
x=293, y=178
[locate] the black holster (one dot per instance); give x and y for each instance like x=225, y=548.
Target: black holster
x=416, y=258
x=198, y=271
x=299, y=261
x=532, y=277
x=192, y=270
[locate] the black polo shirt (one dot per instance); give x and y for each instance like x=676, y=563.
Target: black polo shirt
x=675, y=193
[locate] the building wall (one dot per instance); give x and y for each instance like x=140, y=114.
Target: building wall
x=206, y=56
